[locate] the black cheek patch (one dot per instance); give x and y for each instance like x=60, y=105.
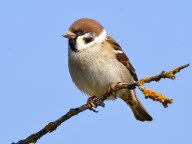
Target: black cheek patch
x=88, y=39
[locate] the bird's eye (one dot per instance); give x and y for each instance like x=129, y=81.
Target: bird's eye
x=81, y=31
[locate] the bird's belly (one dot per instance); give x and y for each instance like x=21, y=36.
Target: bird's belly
x=95, y=76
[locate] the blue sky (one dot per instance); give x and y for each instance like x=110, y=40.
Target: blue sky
x=36, y=88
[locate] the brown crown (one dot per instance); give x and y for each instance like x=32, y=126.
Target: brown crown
x=87, y=25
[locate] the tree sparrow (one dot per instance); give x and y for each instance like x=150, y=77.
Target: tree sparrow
x=96, y=61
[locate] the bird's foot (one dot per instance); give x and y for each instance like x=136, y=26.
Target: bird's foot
x=90, y=103
x=112, y=90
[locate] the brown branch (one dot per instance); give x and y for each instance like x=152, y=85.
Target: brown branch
x=169, y=74
x=99, y=102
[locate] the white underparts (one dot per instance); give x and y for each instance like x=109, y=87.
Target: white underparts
x=82, y=45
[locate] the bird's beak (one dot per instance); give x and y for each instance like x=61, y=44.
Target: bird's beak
x=69, y=35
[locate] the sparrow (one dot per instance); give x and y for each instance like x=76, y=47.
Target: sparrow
x=96, y=61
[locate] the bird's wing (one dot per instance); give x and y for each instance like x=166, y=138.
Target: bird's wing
x=121, y=57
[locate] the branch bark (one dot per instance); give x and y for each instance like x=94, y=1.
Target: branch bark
x=100, y=102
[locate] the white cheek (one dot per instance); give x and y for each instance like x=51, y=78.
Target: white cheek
x=81, y=45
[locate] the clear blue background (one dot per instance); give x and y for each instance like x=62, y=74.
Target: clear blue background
x=36, y=88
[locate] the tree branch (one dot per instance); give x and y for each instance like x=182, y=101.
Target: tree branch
x=99, y=102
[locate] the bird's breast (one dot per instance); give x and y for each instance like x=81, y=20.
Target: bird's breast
x=94, y=71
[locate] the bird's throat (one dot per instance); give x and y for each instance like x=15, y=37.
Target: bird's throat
x=72, y=45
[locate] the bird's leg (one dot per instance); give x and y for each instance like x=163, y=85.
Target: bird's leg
x=90, y=103
x=111, y=90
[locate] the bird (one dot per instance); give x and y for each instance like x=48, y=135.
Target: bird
x=96, y=62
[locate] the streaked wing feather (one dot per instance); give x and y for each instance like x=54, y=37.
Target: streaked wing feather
x=122, y=57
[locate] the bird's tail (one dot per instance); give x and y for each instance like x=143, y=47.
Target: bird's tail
x=138, y=109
